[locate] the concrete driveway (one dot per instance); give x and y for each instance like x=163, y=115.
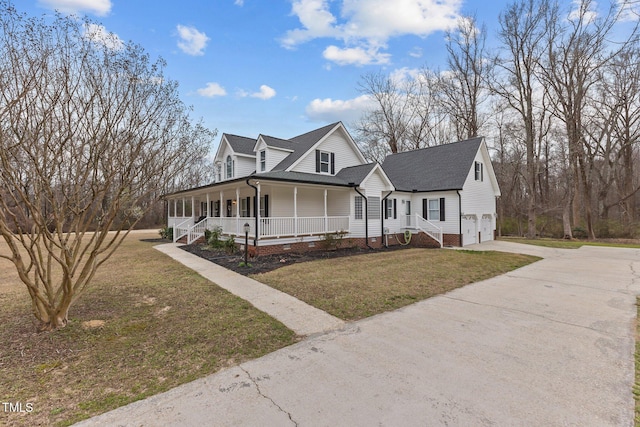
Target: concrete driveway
x=548, y=344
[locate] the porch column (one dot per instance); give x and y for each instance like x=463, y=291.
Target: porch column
x=295, y=211
x=168, y=213
x=257, y=232
x=223, y=208
x=238, y=211
x=183, y=205
x=193, y=209
x=326, y=220
x=208, y=206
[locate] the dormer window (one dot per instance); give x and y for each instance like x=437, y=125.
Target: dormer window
x=263, y=160
x=479, y=172
x=325, y=162
x=229, y=167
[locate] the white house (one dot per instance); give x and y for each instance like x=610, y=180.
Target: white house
x=294, y=192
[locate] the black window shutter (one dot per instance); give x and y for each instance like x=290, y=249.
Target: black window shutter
x=266, y=205
x=333, y=163
x=425, y=209
x=441, y=208
x=248, y=206
x=395, y=211
x=481, y=172
x=255, y=208
x=386, y=208
x=318, y=161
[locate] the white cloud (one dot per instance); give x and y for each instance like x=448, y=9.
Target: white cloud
x=239, y=2
x=416, y=52
x=585, y=11
x=330, y=110
x=97, y=7
x=192, y=41
x=369, y=24
x=355, y=55
x=266, y=92
x=211, y=90
x=100, y=35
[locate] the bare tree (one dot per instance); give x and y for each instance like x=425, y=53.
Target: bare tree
x=90, y=131
x=522, y=31
x=577, y=48
x=463, y=87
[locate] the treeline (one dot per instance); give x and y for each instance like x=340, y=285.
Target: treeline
x=558, y=99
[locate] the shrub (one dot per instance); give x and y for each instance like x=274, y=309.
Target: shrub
x=579, y=233
x=213, y=238
x=332, y=241
x=230, y=245
x=166, y=233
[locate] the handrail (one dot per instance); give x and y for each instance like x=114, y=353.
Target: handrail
x=177, y=235
x=435, y=233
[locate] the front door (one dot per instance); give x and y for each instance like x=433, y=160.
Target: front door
x=229, y=208
x=407, y=212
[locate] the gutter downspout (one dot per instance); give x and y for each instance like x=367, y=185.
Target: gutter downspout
x=256, y=201
x=459, y=217
x=382, y=219
x=366, y=217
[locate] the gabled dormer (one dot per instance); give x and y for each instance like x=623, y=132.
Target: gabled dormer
x=323, y=151
x=235, y=157
x=271, y=151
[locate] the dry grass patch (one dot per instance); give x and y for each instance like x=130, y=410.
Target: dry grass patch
x=146, y=325
x=355, y=287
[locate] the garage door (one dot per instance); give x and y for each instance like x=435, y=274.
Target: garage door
x=486, y=231
x=469, y=233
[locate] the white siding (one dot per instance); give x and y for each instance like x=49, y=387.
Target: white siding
x=451, y=224
x=345, y=154
x=273, y=156
x=478, y=197
x=244, y=166
x=375, y=186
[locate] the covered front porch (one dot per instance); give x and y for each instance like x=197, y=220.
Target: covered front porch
x=278, y=211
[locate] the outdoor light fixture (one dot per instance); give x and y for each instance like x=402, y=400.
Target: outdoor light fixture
x=247, y=228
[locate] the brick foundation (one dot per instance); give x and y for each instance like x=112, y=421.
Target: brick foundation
x=451, y=240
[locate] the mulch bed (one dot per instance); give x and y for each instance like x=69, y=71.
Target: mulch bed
x=266, y=263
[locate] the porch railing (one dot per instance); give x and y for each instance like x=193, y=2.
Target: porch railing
x=269, y=226
x=417, y=222
x=181, y=230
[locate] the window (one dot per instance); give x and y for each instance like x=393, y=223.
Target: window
x=264, y=206
x=203, y=209
x=390, y=208
x=373, y=207
x=229, y=168
x=358, y=207
x=434, y=210
x=244, y=208
x=479, y=172
x=325, y=162
x=263, y=160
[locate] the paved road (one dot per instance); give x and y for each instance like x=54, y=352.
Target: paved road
x=549, y=344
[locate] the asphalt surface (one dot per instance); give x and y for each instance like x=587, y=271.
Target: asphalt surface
x=550, y=344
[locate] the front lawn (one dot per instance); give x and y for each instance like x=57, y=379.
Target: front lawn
x=147, y=325
x=359, y=286
x=574, y=244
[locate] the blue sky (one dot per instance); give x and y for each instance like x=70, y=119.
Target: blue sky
x=279, y=67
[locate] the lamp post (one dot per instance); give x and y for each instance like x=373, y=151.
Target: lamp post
x=247, y=227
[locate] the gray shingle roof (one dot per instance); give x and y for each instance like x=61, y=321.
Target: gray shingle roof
x=309, y=178
x=303, y=143
x=355, y=174
x=241, y=144
x=444, y=167
x=272, y=141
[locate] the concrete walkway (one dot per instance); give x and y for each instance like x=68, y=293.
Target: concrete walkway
x=297, y=315
x=549, y=344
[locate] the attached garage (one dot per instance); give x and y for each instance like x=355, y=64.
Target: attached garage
x=469, y=230
x=486, y=229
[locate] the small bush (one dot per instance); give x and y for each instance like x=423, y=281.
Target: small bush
x=166, y=233
x=213, y=238
x=332, y=241
x=230, y=245
x=579, y=233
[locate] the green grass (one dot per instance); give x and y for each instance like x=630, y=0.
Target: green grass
x=164, y=325
x=568, y=244
x=355, y=287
